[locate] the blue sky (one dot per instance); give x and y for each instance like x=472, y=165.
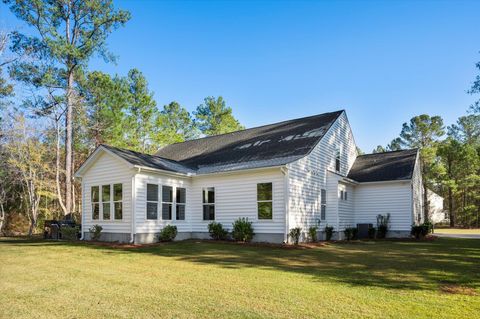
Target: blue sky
x=381, y=61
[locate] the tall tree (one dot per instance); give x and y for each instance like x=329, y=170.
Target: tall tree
x=175, y=124
x=475, y=89
x=141, y=115
x=423, y=132
x=379, y=149
x=69, y=32
x=214, y=117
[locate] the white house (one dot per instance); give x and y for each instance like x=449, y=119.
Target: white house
x=296, y=173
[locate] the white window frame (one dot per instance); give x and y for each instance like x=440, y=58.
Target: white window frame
x=107, y=202
x=152, y=201
x=93, y=203
x=113, y=201
x=174, y=211
x=338, y=156
x=323, y=203
x=209, y=204
x=172, y=203
x=264, y=201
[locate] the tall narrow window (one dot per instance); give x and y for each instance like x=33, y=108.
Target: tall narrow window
x=181, y=200
x=118, y=201
x=95, y=198
x=106, y=208
x=337, y=160
x=209, y=203
x=264, y=201
x=167, y=202
x=152, y=201
x=345, y=195
x=323, y=204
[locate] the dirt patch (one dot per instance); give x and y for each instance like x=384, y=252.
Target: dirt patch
x=459, y=290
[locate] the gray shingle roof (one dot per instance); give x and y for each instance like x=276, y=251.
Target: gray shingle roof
x=151, y=161
x=268, y=145
x=388, y=166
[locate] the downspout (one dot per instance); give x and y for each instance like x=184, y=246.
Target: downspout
x=287, y=202
x=133, y=204
x=83, y=210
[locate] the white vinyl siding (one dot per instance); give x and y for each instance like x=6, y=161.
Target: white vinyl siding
x=345, y=207
x=395, y=198
x=236, y=196
x=108, y=170
x=308, y=176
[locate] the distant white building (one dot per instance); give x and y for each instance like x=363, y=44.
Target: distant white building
x=296, y=173
x=435, y=205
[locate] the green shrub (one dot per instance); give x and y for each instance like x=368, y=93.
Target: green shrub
x=95, y=231
x=351, y=233
x=420, y=231
x=295, y=234
x=217, y=231
x=70, y=233
x=328, y=232
x=312, y=233
x=383, y=222
x=168, y=233
x=371, y=232
x=242, y=230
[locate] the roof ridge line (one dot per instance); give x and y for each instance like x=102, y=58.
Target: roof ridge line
x=388, y=152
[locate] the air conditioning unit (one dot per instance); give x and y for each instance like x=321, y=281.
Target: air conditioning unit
x=363, y=230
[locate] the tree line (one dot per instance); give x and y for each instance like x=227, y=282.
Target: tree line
x=56, y=111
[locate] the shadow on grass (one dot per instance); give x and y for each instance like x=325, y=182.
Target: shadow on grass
x=393, y=265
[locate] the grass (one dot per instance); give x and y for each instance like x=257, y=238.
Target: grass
x=388, y=279
x=458, y=231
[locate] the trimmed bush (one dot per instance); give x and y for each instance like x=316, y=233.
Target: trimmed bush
x=96, y=232
x=242, y=230
x=383, y=222
x=351, y=233
x=328, y=232
x=295, y=234
x=312, y=233
x=420, y=231
x=371, y=232
x=217, y=232
x=70, y=233
x=168, y=233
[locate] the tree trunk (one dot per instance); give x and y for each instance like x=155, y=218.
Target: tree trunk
x=450, y=207
x=2, y=217
x=426, y=206
x=57, y=167
x=69, y=143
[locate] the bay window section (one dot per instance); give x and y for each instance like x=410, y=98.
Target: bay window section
x=106, y=202
x=95, y=198
x=152, y=201
x=167, y=202
x=180, y=205
x=118, y=201
x=264, y=201
x=208, y=199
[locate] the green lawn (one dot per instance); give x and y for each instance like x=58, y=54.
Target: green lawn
x=436, y=279
x=457, y=231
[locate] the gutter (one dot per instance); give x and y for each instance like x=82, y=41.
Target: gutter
x=284, y=170
x=132, y=215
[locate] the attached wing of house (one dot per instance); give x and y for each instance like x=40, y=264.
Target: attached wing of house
x=298, y=173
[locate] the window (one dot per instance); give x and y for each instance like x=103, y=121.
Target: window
x=106, y=208
x=337, y=160
x=117, y=201
x=264, y=201
x=345, y=195
x=167, y=201
x=95, y=197
x=341, y=195
x=181, y=200
x=323, y=204
x=152, y=201
x=208, y=199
